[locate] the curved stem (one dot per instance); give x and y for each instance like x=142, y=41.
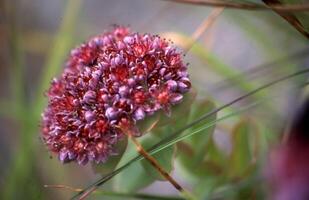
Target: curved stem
x=154, y=163
x=157, y=166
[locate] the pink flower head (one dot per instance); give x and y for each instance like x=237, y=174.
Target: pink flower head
x=111, y=81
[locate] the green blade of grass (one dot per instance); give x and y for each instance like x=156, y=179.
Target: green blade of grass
x=137, y=196
x=167, y=141
x=22, y=167
x=61, y=47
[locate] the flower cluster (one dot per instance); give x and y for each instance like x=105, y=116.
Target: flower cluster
x=109, y=83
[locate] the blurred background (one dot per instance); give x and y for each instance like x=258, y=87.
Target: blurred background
x=240, y=51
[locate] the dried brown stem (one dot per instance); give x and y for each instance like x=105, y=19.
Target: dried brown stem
x=246, y=6
x=64, y=187
x=204, y=26
x=84, y=196
x=289, y=17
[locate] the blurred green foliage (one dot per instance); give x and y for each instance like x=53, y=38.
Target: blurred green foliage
x=210, y=170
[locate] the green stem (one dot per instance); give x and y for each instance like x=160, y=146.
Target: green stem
x=138, y=195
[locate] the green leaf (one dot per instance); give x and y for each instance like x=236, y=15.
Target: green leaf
x=204, y=187
x=242, y=155
x=179, y=116
x=216, y=156
x=193, y=151
x=159, y=119
x=112, y=162
x=181, y=112
x=134, y=177
x=164, y=158
x=199, y=141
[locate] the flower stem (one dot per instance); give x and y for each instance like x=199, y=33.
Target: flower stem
x=158, y=167
x=154, y=162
